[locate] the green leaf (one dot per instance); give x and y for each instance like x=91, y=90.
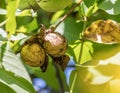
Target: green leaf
x=17, y=83
x=92, y=51
x=2, y=50
x=49, y=73
x=12, y=62
x=89, y=3
x=25, y=4
x=103, y=77
x=5, y=89
x=70, y=29
x=26, y=12
x=87, y=50
x=56, y=16
x=23, y=20
x=82, y=9
x=87, y=8
x=2, y=4
x=110, y=6
x=32, y=25
x=114, y=86
x=2, y=17
x=11, y=19
x=2, y=38
x=104, y=51
x=92, y=9
x=49, y=76
x=19, y=80
x=101, y=14
x=28, y=24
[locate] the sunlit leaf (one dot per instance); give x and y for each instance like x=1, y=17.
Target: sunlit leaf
x=82, y=9
x=86, y=51
x=92, y=9
x=11, y=19
x=115, y=58
x=26, y=12
x=12, y=62
x=87, y=8
x=17, y=78
x=96, y=78
x=18, y=84
x=114, y=86
x=93, y=51
x=103, y=51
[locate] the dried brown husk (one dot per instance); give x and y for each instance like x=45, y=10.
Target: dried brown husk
x=45, y=64
x=62, y=61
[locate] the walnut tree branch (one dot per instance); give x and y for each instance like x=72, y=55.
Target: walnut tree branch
x=67, y=14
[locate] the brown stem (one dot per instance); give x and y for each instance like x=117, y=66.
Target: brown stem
x=67, y=14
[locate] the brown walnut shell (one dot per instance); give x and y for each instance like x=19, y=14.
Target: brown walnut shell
x=33, y=54
x=55, y=44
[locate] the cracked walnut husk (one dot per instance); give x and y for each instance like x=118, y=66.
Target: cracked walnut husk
x=46, y=42
x=55, y=44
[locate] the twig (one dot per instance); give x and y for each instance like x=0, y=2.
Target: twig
x=81, y=49
x=67, y=14
x=73, y=82
x=80, y=57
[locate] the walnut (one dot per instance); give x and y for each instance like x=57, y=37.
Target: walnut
x=33, y=54
x=55, y=44
x=46, y=42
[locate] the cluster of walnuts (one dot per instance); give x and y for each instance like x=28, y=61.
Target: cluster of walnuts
x=35, y=50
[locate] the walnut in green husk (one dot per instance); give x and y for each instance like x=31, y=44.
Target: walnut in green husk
x=33, y=54
x=55, y=44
